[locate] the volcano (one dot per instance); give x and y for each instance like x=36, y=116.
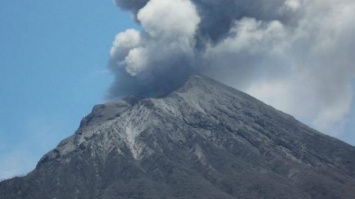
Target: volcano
x=204, y=140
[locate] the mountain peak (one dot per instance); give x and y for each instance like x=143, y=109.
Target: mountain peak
x=203, y=140
x=201, y=84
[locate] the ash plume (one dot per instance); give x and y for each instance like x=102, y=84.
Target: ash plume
x=293, y=54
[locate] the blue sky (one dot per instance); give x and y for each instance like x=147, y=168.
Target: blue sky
x=53, y=58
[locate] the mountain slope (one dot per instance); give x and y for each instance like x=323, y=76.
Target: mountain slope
x=204, y=140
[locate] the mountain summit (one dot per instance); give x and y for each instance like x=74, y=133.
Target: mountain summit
x=203, y=140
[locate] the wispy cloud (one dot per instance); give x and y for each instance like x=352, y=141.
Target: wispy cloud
x=17, y=163
x=40, y=135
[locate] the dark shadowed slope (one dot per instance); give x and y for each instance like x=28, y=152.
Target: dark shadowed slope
x=204, y=140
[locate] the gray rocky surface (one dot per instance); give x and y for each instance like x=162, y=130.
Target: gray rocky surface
x=204, y=140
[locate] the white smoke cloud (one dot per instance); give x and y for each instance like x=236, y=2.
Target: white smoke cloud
x=292, y=5
x=141, y=60
x=295, y=55
x=169, y=19
x=320, y=70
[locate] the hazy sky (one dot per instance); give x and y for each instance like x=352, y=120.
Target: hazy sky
x=53, y=59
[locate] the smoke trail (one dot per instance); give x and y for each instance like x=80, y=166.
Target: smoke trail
x=293, y=54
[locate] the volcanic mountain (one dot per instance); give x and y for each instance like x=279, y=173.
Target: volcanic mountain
x=203, y=140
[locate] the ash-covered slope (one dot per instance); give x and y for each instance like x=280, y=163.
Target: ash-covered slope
x=204, y=140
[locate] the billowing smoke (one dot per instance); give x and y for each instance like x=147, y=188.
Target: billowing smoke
x=296, y=55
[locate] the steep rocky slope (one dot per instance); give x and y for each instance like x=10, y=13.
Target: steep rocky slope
x=204, y=140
